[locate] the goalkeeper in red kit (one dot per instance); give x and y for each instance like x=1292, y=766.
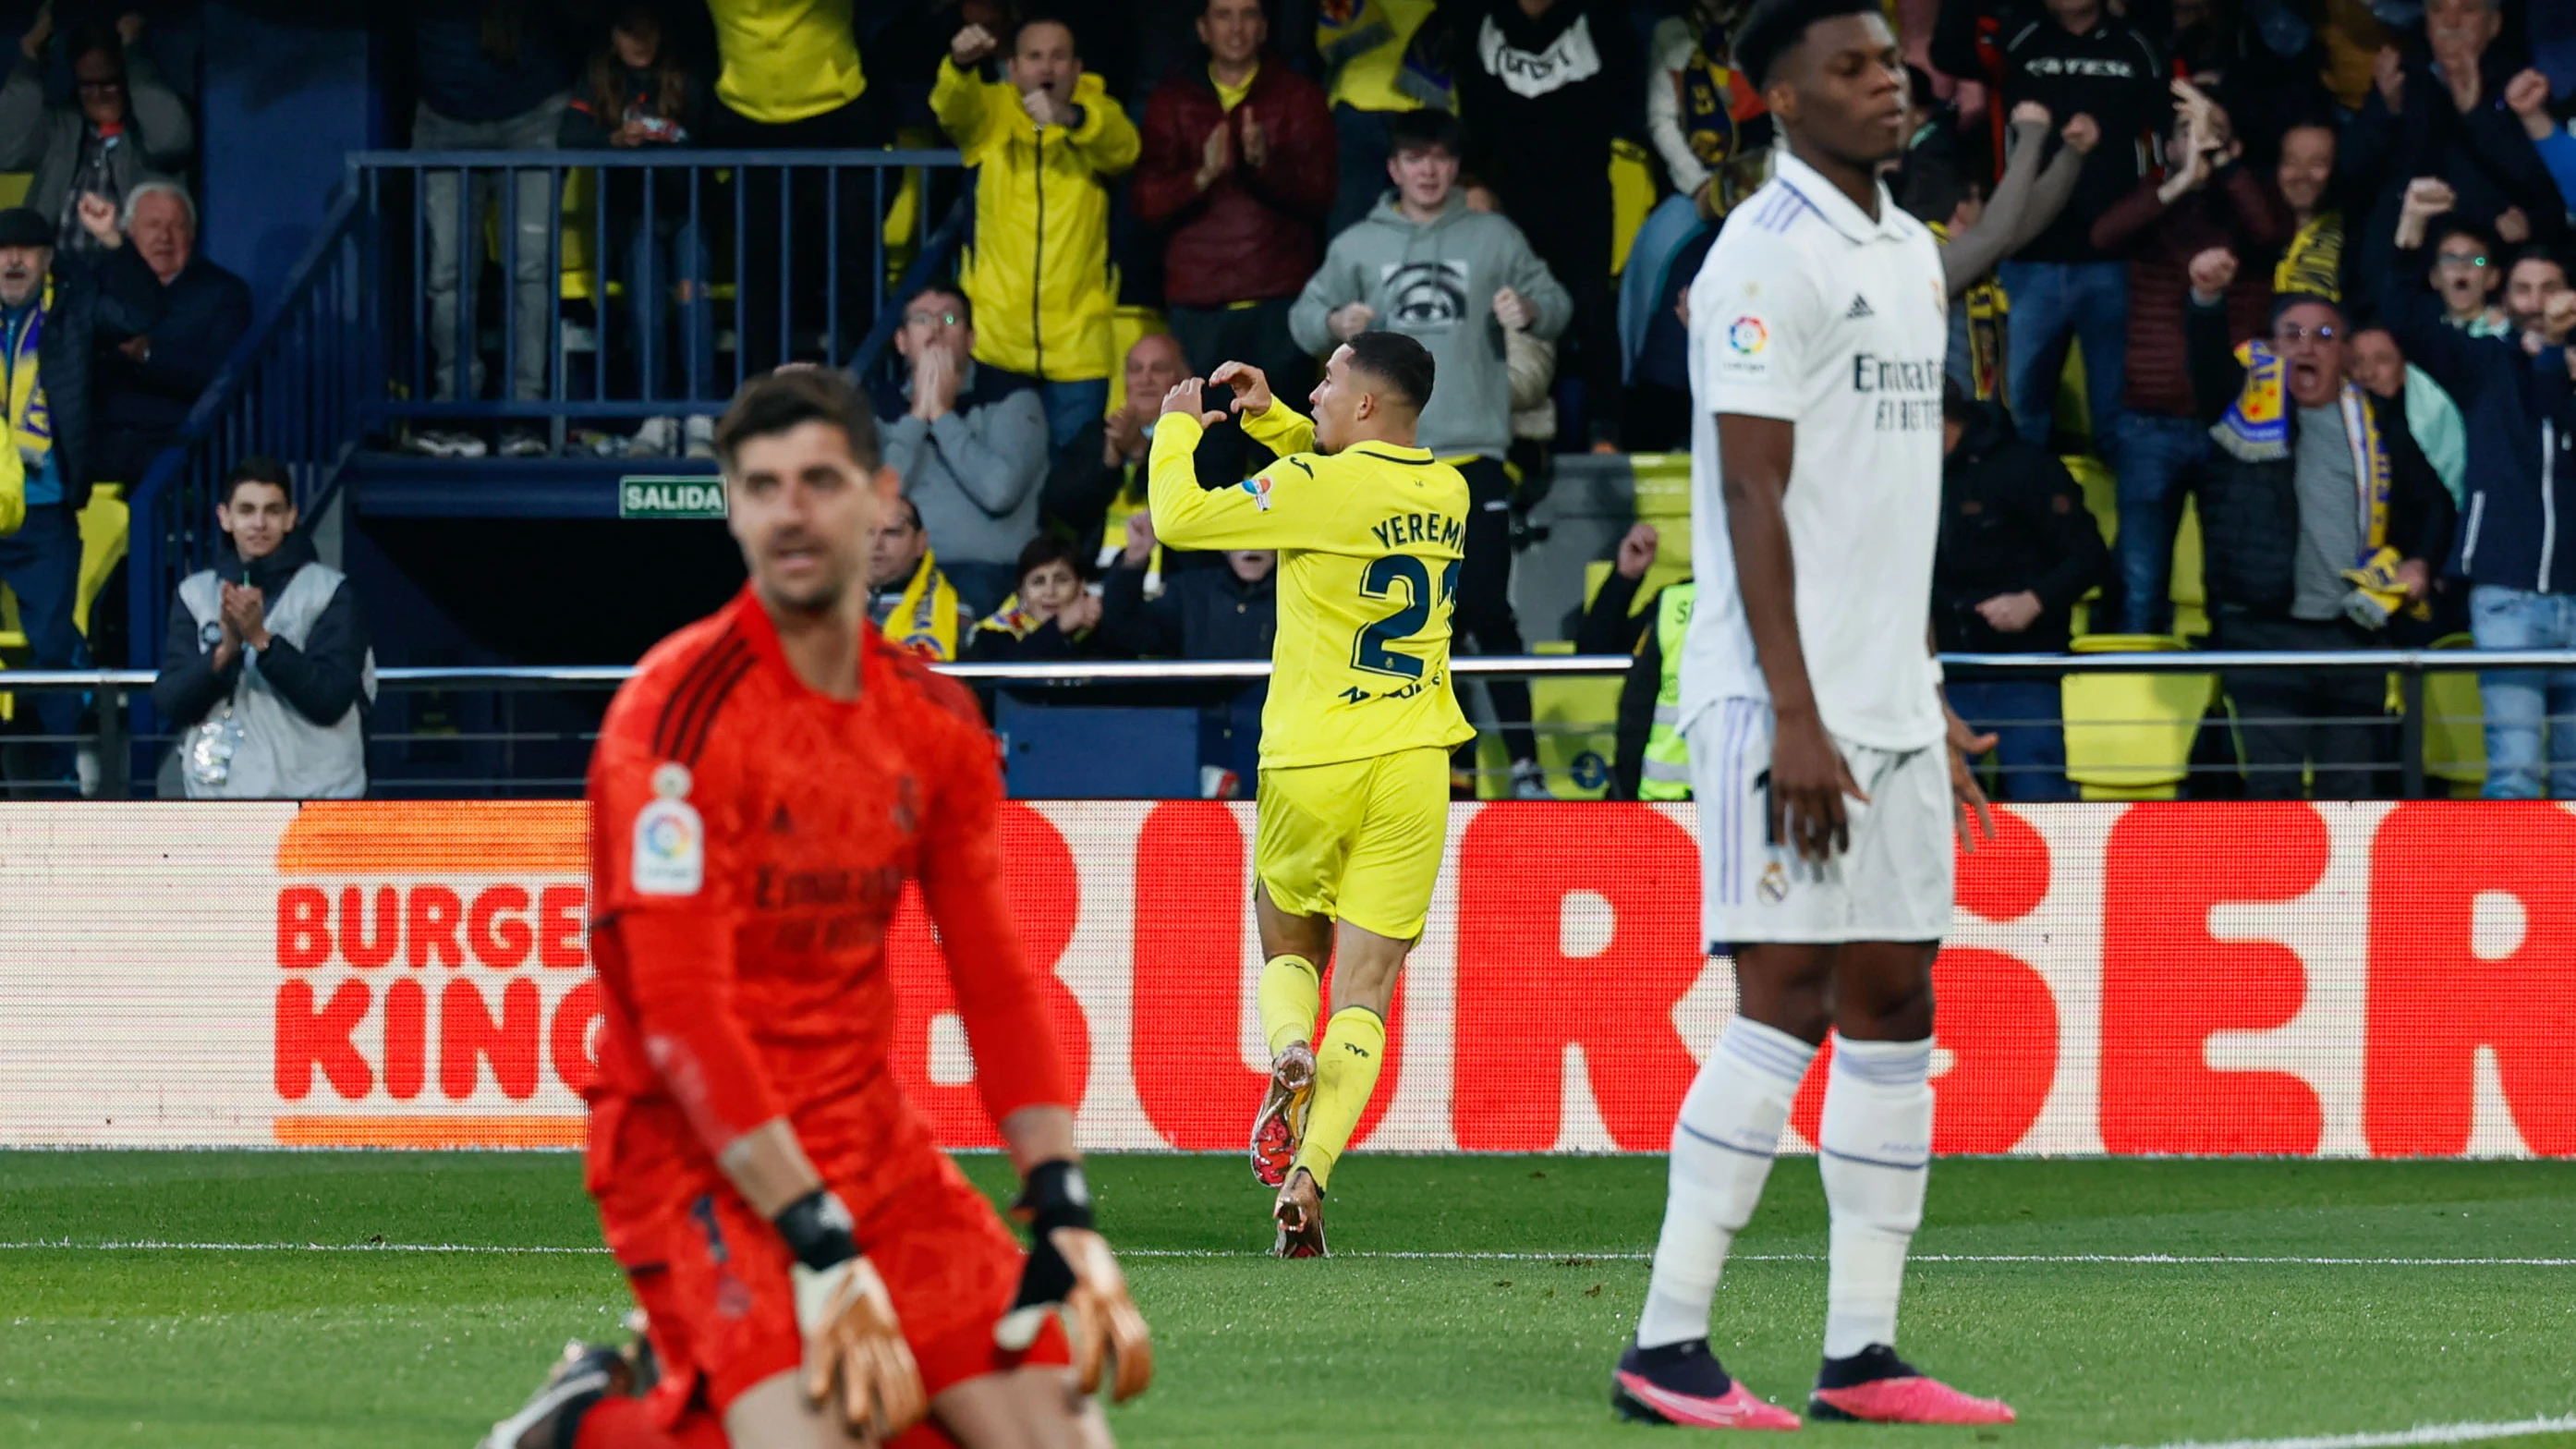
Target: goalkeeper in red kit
x=814, y=1271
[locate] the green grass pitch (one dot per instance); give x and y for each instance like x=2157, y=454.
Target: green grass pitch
x=201, y=1348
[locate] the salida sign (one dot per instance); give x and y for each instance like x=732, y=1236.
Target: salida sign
x=682, y=496
x=2275, y=978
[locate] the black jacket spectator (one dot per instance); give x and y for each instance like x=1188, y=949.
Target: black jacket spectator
x=143, y=400
x=2250, y=526
x=1609, y=627
x=2110, y=72
x=2012, y=519
x=2263, y=91
x=1541, y=97
x=2483, y=153
x=2504, y=396
x=466, y=74
x=99, y=298
x=1204, y=613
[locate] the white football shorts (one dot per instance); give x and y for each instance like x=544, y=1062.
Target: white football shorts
x=1897, y=881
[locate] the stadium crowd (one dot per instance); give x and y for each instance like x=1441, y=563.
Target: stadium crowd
x=2130, y=192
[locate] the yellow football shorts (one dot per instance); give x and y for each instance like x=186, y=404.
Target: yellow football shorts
x=1359, y=841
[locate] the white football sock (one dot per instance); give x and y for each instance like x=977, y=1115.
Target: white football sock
x=1722, y=1147
x=1875, y=1150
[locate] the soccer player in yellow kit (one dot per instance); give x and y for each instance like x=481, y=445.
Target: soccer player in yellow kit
x=1356, y=734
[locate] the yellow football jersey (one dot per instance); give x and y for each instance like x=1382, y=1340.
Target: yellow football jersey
x=1369, y=543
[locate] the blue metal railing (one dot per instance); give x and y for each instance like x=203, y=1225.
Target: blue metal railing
x=123, y=743
x=763, y=257
x=346, y=358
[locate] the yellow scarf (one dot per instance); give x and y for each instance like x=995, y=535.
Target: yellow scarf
x=31, y=421
x=925, y=618
x=2313, y=264
x=1989, y=310
x=2257, y=430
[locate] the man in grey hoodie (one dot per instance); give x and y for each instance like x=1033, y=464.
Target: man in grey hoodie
x=970, y=445
x=1454, y=279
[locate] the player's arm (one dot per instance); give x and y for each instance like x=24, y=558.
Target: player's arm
x=1019, y=1066
x=1266, y=420
x=1757, y=347
x=1275, y=509
x=1972, y=816
x=668, y=857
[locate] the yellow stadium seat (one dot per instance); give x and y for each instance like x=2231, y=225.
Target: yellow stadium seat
x=1662, y=489
x=2102, y=499
x=2455, y=738
x=1632, y=196
x=2129, y=736
x=103, y=539
x=13, y=188
x=1577, y=720
x=1662, y=573
x=2190, y=598
x=2101, y=492
x=103, y=531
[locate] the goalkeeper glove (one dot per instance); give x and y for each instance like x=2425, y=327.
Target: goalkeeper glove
x=856, y=1361
x=1071, y=1265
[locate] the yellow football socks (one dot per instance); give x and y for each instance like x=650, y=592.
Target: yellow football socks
x=1346, y=1064
x=1291, y=998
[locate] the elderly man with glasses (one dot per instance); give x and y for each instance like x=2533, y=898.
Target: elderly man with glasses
x=122, y=124
x=2322, y=521
x=970, y=444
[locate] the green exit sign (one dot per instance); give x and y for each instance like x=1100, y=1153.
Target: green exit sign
x=687, y=496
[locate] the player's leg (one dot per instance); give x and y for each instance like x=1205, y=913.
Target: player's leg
x=1385, y=897
x=1347, y=1065
x=775, y=1414
x=1731, y=1118
x=952, y=1269
x=1030, y=1408
x=1874, y=1146
x=1300, y=849
x=1722, y=1148
x=1295, y=948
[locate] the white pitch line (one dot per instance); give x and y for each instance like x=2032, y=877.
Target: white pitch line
x=2420, y=1434
x=2140, y=1259
x=1570, y=1258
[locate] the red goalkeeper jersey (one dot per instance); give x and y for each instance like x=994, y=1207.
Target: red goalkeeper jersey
x=751, y=840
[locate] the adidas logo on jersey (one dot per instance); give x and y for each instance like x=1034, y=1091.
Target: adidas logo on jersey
x=1859, y=308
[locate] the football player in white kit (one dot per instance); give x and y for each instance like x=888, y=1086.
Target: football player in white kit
x=1827, y=768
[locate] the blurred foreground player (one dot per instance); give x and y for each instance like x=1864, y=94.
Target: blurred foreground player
x=816, y=1272
x=1356, y=732
x=1824, y=761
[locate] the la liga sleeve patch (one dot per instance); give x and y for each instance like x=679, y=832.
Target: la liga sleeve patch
x=670, y=850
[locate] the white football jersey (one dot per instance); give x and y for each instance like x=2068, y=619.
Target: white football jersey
x=1809, y=311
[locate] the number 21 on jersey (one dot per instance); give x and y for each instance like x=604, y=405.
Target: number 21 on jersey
x=1397, y=573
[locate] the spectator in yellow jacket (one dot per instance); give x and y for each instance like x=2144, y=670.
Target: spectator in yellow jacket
x=1045, y=141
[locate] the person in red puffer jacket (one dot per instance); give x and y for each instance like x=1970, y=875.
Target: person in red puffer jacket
x=1238, y=172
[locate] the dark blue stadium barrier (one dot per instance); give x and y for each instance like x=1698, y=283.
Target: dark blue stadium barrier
x=327, y=379
x=768, y=222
